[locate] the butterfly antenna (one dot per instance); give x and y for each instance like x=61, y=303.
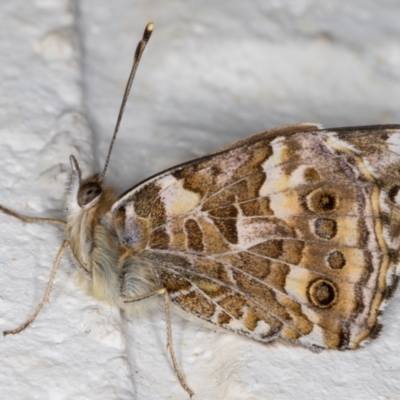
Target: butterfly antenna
x=138, y=54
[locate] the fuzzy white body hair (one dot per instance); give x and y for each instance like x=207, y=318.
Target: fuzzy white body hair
x=108, y=271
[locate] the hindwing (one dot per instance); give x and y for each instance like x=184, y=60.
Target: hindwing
x=292, y=233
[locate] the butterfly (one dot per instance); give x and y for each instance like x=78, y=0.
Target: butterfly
x=289, y=234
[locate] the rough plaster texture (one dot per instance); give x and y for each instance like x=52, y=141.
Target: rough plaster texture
x=213, y=72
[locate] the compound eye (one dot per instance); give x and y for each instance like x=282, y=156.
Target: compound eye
x=88, y=192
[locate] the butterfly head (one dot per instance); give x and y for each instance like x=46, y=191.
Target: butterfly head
x=83, y=194
x=89, y=194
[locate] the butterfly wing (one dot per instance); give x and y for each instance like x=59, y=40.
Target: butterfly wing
x=292, y=233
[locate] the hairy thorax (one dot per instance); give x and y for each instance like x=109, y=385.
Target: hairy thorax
x=108, y=270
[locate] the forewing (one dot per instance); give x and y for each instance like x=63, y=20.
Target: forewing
x=291, y=234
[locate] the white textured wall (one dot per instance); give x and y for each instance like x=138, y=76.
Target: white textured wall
x=213, y=72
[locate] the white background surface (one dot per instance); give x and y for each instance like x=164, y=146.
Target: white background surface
x=213, y=72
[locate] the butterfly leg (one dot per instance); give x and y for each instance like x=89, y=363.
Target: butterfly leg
x=143, y=297
x=24, y=218
x=46, y=294
x=170, y=347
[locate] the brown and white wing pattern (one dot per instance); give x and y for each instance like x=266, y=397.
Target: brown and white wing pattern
x=290, y=234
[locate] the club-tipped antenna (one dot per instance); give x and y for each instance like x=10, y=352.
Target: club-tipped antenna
x=138, y=54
